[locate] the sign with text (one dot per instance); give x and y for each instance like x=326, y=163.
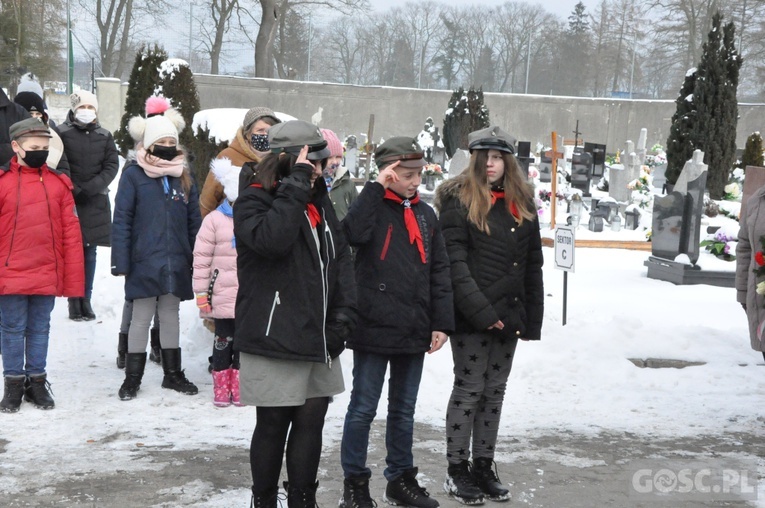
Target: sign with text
x=564, y=248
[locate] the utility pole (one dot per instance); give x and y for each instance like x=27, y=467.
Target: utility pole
x=69, y=49
x=310, y=36
x=528, y=62
x=191, y=27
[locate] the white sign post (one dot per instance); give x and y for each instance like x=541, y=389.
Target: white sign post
x=564, y=258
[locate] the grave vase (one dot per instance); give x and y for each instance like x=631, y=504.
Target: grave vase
x=430, y=182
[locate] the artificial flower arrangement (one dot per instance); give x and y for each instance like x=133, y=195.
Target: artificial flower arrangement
x=723, y=246
x=641, y=188
x=433, y=170
x=732, y=192
x=545, y=195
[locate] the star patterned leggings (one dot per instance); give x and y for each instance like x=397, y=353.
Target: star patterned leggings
x=482, y=364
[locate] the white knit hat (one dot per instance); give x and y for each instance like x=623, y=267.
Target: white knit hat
x=82, y=98
x=166, y=123
x=158, y=127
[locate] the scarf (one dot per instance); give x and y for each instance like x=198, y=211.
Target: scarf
x=313, y=213
x=415, y=235
x=225, y=209
x=500, y=194
x=155, y=167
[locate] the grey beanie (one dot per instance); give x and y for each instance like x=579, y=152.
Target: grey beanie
x=255, y=114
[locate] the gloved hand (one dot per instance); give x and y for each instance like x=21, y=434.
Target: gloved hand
x=338, y=329
x=203, y=303
x=300, y=176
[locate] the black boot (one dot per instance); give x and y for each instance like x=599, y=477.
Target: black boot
x=121, y=350
x=356, y=493
x=266, y=499
x=301, y=497
x=75, y=309
x=14, y=392
x=461, y=484
x=174, y=378
x=37, y=391
x=405, y=491
x=154, y=354
x=87, y=310
x=485, y=474
x=134, y=366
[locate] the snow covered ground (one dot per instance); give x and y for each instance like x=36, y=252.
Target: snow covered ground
x=577, y=379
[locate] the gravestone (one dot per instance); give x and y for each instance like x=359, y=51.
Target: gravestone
x=677, y=230
x=641, y=151
x=666, y=236
x=524, y=156
x=581, y=171
x=659, y=176
x=459, y=163
x=598, y=157
x=693, y=182
x=545, y=168
x=352, y=160
x=620, y=177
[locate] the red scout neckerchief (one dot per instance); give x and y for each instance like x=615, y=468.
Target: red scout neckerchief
x=500, y=194
x=313, y=213
x=410, y=220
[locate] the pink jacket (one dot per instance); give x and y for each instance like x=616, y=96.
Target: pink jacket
x=214, y=250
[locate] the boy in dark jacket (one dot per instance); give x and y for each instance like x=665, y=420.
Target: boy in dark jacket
x=405, y=310
x=42, y=252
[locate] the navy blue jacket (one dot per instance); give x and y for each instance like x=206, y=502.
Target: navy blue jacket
x=401, y=299
x=153, y=235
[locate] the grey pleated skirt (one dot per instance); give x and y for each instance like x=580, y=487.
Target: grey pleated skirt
x=270, y=382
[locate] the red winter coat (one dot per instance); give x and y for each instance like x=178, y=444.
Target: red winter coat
x=40, y=239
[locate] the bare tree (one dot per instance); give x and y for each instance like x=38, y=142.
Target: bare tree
x=519, y=26
x=214, y=24
x=117, y=28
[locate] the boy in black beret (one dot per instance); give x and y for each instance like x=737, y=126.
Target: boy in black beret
x=405, y=310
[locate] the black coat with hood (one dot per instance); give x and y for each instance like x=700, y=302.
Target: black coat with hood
x=297, y=297
x=497, y=276
x=10, y=113
x=93, y=164
x=401, y=299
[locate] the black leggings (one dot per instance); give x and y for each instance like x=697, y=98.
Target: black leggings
x=304, y=424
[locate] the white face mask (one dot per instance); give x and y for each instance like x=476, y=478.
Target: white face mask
x=85, y=115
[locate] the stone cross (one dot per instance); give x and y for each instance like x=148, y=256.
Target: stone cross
x=554, y=154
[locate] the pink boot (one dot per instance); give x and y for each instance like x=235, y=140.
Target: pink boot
x=221, y=388
x=234, y=383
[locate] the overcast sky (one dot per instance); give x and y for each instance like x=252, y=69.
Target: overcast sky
x=562, y=8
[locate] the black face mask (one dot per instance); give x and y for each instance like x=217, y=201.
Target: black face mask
x=35, y=158
x=167, y=153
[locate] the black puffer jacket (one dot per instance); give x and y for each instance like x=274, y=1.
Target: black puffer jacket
x=401, y=300
x=93, y=163
x=10, y=113
x=495, y=277
x=297, y=297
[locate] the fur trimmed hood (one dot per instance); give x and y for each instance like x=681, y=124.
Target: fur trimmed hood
x=450, y=188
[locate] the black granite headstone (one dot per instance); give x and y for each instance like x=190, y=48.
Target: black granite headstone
x=668, y=214
x=598, y=157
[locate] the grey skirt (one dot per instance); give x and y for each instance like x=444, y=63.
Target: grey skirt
x=270, y=382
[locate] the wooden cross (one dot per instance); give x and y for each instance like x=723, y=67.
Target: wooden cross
x=554, y=155
x=576, y=134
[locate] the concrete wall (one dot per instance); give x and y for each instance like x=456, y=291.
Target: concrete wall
x=402, y=111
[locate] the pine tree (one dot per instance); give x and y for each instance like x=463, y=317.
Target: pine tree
x=716, y=101
x=752, y=151
x=466, y=113
x=683, y=135
x=177, y=85
x=144, y=79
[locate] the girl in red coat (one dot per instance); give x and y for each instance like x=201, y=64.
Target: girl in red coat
x=41, y=249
